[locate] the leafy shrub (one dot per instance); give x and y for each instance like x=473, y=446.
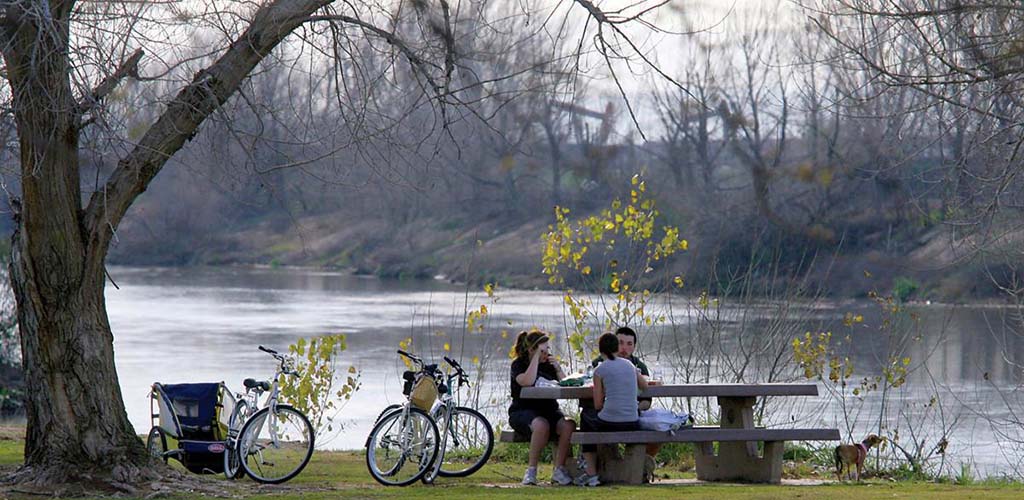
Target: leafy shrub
x=315, y=391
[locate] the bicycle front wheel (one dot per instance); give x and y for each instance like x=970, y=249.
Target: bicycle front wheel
x=401, y=447
x=275, y=446
x=232, y=465
x=469, y=443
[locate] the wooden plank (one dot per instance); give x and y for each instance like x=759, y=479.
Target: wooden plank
x=682, y=391
x=705, y=435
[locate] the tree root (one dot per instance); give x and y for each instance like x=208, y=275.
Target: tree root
x=122, y=481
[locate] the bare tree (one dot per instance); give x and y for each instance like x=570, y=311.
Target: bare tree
x=693, y=139
x=65, y=59
x=962, y=58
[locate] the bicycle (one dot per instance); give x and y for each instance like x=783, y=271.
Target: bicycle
x=467, y=438
x=276, y=442
x=245, y=405
x=404, y=436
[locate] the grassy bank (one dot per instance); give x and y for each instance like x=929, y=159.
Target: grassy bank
x=343, y=475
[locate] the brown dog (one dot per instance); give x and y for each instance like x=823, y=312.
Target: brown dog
x=848, y=455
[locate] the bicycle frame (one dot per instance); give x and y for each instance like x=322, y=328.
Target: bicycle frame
x=442, y=412
x=284, y=368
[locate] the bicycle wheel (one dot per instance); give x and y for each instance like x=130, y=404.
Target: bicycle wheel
x=401, y=447
x=232, y=465
x=156, y=444
x=274, y=447
x=469, y=443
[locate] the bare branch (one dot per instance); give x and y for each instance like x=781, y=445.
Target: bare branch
x=417, y=62
x=209, y=89
x=128, y=68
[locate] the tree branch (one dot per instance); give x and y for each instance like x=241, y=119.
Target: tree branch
x=209, y=89
x=418, y=63
x=128, y=68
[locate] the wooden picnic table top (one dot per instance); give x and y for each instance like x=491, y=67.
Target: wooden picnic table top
x=681, y=391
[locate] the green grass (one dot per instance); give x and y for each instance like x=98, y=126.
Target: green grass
x=12, y=448
x=343, y=475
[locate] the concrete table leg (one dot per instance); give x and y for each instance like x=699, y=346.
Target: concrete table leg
x=627, y=467
x=739, y=461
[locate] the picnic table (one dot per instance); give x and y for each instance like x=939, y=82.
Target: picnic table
x=737, y=458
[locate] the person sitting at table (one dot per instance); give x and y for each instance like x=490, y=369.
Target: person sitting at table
x=537, y=418
x=627, y=347
x=616, y=384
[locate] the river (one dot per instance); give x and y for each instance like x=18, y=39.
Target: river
x=177, y=325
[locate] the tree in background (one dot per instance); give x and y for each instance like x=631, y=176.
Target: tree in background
x=957, y=75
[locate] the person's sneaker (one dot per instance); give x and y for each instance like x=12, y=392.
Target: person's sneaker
x=587, y=480
x=561, y=476
x=531, y=476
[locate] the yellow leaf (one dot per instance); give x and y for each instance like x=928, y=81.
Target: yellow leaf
x=447, y=347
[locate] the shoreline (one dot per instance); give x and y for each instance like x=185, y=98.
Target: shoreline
x=975, y=303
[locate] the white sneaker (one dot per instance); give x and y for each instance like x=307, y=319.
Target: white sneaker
x=561, y=476
x=531, y=476
x=587, y=480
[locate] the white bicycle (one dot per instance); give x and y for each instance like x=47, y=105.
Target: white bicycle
x=273, y=443
x=449, y=441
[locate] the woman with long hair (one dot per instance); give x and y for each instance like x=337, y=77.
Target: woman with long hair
x=538, y=418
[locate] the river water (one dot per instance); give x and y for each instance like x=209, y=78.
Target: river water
x=174, y=325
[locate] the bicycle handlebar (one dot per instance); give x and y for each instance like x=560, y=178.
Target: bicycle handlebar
x=459, y=372
x=283, y=360
x=453, y=363
x=413, y=358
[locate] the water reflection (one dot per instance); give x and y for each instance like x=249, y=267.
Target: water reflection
x=203, y=324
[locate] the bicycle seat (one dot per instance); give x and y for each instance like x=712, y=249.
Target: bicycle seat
x=251, y=383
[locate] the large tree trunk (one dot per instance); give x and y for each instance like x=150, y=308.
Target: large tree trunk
x=77, y=422
x=76, y=417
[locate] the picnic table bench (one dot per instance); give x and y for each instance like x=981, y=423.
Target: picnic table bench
x=738, y=457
